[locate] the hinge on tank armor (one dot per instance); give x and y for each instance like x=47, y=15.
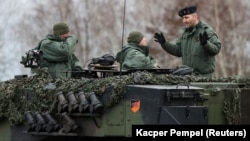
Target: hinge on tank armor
x=184, y=93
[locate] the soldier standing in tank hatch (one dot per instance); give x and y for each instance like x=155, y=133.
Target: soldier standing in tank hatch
x=135, y=54
x=197, y=45
x=58, y=52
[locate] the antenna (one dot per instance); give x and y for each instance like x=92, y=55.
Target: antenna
x=123, y=26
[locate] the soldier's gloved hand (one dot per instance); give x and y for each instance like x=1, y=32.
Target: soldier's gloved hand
x=160, y=38
x=203, y=38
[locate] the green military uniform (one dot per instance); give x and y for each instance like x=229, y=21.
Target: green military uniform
x=58, y=56
x=134, y=56
x=58, y=53
x=188, y=46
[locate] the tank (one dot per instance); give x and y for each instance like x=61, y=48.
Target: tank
x=105, y=103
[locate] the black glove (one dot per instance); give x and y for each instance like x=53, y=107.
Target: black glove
x=160, y=38
x=203, y=38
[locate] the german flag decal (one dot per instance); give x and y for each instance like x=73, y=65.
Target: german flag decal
x=135, y=105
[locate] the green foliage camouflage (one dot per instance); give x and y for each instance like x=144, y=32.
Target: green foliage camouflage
x=37, y=92
x=232, y=107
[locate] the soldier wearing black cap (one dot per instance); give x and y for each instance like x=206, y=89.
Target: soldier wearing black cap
x=187, y=11
x=58, y=52
x=135, y=54
x=198, y=44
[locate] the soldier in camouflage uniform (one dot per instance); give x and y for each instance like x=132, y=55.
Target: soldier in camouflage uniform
x=135, y=54
x=58, y=52
x=198, y=44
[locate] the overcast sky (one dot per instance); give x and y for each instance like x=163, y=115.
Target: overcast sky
x=11, y=12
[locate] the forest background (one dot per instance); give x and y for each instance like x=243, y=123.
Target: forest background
x=103, y=26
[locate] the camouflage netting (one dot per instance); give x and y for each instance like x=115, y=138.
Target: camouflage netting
x=13, y=101
x=232, y=107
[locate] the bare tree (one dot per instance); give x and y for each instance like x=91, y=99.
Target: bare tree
x=222, y=16
x=9, y=48
x=98, y=24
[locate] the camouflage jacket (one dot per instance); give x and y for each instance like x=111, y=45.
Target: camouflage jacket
x=188, y=46
x=134, y=56
x=58, y=55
